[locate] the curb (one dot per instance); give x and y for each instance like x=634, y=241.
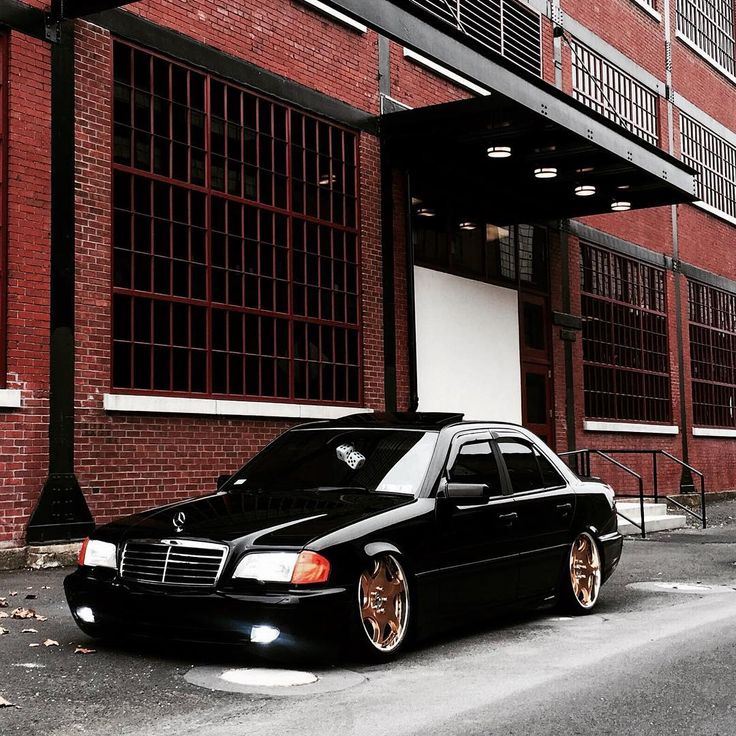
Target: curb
x=39, y=558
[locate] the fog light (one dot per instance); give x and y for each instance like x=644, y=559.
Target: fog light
x=264, y=634
x=84, y=613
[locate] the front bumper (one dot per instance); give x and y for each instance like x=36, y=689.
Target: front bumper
x=303, y=618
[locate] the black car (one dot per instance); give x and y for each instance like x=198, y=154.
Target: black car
x=366, y=530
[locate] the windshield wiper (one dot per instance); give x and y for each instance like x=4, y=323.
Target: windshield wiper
x=327, y=489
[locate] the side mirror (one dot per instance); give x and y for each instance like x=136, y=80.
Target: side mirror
x=465, y=494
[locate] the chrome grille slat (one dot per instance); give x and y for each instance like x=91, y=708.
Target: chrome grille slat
x=173, y=562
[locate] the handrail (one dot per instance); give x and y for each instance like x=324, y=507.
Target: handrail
x=600, y=453
x=701, y=517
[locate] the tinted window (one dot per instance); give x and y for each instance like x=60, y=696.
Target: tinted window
x=550, y=476
x=522, y=465
x=381, y=460
x=476, y=463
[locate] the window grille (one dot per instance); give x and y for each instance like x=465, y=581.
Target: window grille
x=709, y=25
x=625, y=346
x=504, y=26
x=712, y=355
x=235, y=243
x=714, y=159
x=613, y=93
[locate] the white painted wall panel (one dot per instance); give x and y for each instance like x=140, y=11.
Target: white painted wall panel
x=467, y=347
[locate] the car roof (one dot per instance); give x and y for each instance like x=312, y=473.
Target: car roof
x=406, y=420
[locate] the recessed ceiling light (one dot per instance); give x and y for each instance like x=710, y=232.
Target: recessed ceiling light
x=426, y=212
x=498, y=151
x=326, y=180
x=622, y=186
x=467, y=226
x=585, y=190
x=545, y=172
x=585, y=170
x=620, y=206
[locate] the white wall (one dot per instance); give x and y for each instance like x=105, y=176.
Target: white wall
x=467, y=347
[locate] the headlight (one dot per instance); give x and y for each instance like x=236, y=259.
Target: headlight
x=284, y=567
x=95, y=553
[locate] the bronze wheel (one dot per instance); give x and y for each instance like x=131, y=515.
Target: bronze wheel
x=585, y=571
x=383, y=597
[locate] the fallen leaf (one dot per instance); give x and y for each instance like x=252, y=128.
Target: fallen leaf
x=51, y=643
x=13, y=593
x=84, y=650
x=4, y=601
x=3, y=631
x=6, y=703
x=41, y=618
x=45, y=587
x=34, y=645
x=29, y=631
x=31, y=596
x=4, y=615
x=23, y=613
x=30, y=587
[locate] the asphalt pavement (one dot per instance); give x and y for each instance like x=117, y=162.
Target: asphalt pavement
x=656, y=657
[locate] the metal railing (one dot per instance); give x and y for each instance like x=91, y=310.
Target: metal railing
x=581, y=459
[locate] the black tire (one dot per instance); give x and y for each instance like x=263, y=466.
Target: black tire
x=580, y=583
x=384, y=609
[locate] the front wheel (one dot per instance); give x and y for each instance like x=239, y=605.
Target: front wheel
x=383, y=608
x=581, y=582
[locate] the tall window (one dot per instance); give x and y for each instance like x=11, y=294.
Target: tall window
x=235, y=240
x=625, y=348
x=713, y=355
x=613, y=93
x=709, y=25
x=714, y=158
x=504, y=26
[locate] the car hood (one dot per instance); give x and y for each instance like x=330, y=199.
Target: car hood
x=281, y=518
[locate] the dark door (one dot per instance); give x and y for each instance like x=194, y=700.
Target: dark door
x=545, y=505
x=476, y=548
x=536, y=366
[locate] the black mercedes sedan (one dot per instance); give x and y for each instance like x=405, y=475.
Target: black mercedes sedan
x=365, y=531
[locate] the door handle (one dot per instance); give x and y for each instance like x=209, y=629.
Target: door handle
x=564, y=508
x=508, y=519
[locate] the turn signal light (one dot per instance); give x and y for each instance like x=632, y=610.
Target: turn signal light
x=310, y=568
x=82, y=550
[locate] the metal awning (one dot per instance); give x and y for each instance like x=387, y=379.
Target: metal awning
x=445, y=148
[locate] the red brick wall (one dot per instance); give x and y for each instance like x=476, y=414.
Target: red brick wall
x=24, y=432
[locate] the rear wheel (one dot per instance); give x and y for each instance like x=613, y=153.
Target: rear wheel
x=581, y=582
x=383, y=608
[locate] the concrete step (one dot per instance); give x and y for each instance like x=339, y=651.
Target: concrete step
x=655, y=516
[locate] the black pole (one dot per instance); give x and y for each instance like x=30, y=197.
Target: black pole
x=61, y=513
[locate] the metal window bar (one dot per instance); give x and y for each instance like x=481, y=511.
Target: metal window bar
x=625, y=342
x=712, y=314
x=709, y=24
x=236, y=259
x=611, y=92
x=714, y=158
x=504, y=26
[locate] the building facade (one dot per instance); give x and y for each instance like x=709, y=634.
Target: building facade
x=220, y=219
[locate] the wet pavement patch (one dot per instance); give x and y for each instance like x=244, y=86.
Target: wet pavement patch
x=268, y=681
x=660, y=586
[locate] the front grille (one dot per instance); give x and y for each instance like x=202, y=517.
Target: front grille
x=173, y=562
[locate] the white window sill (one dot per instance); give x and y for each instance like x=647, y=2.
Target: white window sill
x=694, y=47
x=224, y=408
x=443, y=71
x=713, y=432
x=346, y=20
x=649, y=9
x=9, y=398
x=713, y=211
x=634, y=428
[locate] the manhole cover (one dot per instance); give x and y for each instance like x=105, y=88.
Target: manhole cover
x=661, y=586
x=261, y=677
x=272, y=681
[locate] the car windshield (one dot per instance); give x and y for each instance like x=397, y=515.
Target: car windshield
x=375, y=460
